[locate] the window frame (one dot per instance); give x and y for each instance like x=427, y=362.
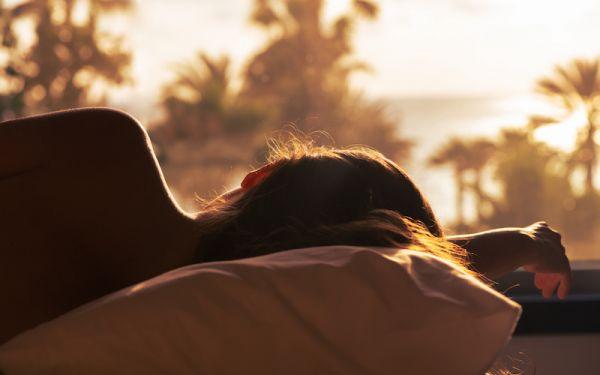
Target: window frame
x=579, y=313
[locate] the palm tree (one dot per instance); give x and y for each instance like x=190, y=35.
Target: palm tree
x=71, y=62
x=576, y=87
x=196, y=99
x=455, y=154
x=480, y=151
x=200, y=103
x=302, y=74
x=303, y=71
x=531, y=181
x=464, y=156
x=12, y=95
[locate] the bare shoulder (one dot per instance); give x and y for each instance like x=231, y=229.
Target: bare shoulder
x=82, y=198
x=105, y=151
x=81, y=121
x=96, y=129
x=80, y=134
x=102, y=128
x=85, y=168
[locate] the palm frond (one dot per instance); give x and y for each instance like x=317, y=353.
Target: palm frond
x=366, y=8
x=190, y=76
x=552, y=87
x=342, y=28
x=587, y=71
x=452, y=152
x=572, y=85
x=217, y=68
x=263, y=14
x=558, y=89
x=114, y=5
x=537, y=121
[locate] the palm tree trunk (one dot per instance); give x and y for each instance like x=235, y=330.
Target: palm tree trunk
x=590, y=158
x=460, y=196
x=478, y=195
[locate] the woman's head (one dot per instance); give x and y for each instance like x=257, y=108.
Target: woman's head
x=316, y=196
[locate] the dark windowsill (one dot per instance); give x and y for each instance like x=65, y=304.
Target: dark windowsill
x=577, y=314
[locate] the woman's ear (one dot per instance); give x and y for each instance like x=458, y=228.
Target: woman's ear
x=255, y=177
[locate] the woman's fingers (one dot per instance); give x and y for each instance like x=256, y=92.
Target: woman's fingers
x=551, y=265
x=544, y=282
x=547, y=283
x=541, y=281
x=538, y=281
x=565, y=286
x=565, y=282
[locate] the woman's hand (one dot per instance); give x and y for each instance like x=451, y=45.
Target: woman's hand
x=547, y=259
x=537, y=248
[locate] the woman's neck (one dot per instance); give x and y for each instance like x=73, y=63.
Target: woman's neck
x=173, y=247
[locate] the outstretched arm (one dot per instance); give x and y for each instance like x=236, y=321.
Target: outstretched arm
x=537, y=248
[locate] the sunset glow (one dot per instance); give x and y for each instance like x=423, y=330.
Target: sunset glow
x=563, y=135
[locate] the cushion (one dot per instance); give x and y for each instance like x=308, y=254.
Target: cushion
x=328, y=310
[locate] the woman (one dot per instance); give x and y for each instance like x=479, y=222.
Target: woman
x=84, y=211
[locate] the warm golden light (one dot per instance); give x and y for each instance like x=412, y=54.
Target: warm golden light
x=335, y=7
x=421, y=73
x=563, y=135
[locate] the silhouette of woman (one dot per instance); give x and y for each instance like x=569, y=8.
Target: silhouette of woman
x=84, y=211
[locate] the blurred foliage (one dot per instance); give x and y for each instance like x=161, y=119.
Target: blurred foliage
x=199, y=103
x=303, y=74
x=300, y=77
x=576, y=87
x=582, y=219
x=303, y=70
x=533, y=182
x=298, y=80
x=70, y=61
x=218, y=118
x=467, y=158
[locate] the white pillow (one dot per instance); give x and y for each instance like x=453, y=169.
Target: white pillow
x=327, y=310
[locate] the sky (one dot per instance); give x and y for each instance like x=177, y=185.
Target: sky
x=476, y=47
x=417, y=48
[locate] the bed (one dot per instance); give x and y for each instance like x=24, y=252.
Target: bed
x=328, y=310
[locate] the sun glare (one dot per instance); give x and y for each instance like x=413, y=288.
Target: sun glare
x=563, y=135
x=334, y=8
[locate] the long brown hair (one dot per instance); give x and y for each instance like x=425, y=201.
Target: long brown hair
x=318, y=196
